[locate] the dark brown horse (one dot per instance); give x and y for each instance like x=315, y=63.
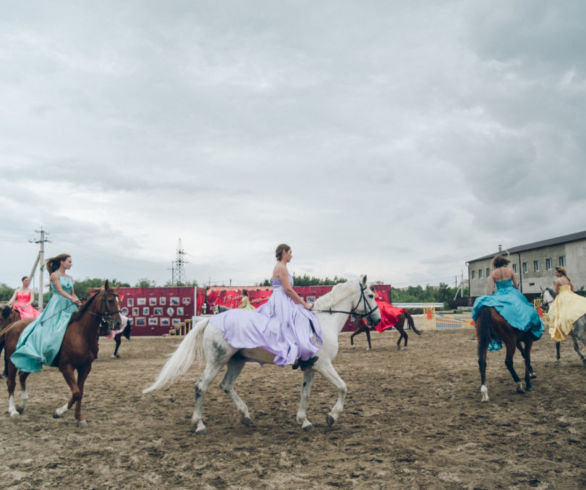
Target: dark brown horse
x=400, y=326
x=491, y=325
x=7, y=317
x=78, y=350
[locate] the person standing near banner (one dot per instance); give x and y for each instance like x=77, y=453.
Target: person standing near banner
x=245, y=304
x=22, y=300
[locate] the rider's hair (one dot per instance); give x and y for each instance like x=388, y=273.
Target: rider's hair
x=54, y=263
x=23, y=278
x=500, y=261
x=562, y=271
x=245, y=292
x=282, y=247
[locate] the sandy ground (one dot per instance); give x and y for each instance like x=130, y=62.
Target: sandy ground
x=413, y=419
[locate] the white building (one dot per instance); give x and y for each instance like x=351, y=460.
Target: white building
x=534, y=264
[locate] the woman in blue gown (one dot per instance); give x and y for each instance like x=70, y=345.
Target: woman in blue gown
x=508, y=301
x=40, y=341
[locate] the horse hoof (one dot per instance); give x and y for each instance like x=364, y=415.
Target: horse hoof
x=82, y=423
x=330, y=420
x=201, y=431
x=56, y=415
x=20, y=410
x=520, y=389
x=307, y=427
x=14, y=414
x=247, y=421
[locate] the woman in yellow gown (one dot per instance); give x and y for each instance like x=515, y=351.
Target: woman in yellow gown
x=567, y=307
x=246, y=305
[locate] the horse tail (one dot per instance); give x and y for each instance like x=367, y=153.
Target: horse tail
x=189, y=350
x=485, y=329
x=410, y=322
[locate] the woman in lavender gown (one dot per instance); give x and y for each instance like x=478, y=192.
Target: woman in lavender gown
x=284, y=325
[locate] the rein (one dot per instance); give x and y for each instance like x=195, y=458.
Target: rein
x=369, y=310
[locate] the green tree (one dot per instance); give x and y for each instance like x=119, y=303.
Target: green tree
x=6, y=292
x=306, y=280
x=145, y=283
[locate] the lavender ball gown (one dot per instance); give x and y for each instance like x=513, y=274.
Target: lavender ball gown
x=280, y=326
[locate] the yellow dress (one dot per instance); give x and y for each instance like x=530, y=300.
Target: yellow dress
x=245, y=305
x=564, y=311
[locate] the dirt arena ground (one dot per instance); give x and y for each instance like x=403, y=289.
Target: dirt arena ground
x=413, y=419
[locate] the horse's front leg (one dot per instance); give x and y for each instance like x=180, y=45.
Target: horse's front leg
x=368, y=338
x=529, y=374
x=82, y=374
x=69, y=375
x=482, y=368
x=308, y=376
x=328, y=372
x=557, y=351
x=235, y=366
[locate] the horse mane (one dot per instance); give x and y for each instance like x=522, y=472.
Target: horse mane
x=338, y=293
x=6, y=311
x=83, y=308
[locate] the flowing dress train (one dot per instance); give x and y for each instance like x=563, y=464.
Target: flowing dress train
x=41, y=340
x=513, y=307
x=280, y=326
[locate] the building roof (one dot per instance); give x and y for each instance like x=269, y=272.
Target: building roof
x=550, y=242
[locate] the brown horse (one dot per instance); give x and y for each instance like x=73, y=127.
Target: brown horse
x=7, y=317
x=362, y=327
x=79, y=348
x=491, y=325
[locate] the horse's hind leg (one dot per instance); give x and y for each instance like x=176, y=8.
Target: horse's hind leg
x=509, y=363
x=557, y=351
x=354, y=335
x=526, y=353
x=577, y=346
x=23, y=393
x=368, y=339
x=482, y=368
x=210, y=372
x=235, y=366
x=308, y=376
x=11, y=385
x=82, y=374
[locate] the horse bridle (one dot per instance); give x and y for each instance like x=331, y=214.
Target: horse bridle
x=105, y=314
x=367, y=308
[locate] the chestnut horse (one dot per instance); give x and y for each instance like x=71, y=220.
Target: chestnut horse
x=7, y=317
x=362, y=327
x=491, y=325
x=78, y=350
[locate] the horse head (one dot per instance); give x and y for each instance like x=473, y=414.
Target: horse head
x=8, y=315
x=109, y=309
x=364, y=303
x=547, y=297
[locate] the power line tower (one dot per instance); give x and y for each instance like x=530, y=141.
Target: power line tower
x=40, y=260
x=179, y=264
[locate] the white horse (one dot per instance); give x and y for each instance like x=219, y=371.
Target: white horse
x=578, y=330
x=332, y=309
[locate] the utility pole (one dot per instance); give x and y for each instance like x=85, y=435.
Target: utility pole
x=172, y=269
x=40, y=260
x=180, y=263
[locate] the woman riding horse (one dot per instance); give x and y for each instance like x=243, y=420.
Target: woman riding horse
x=505, y=316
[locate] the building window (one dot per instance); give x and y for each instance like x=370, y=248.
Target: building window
x=515, y=268
x=479, y=273
x=525, y=268
x=472, y=274
x=487, y=272
x=536, y=265
x=562, y=261
x=547, y=264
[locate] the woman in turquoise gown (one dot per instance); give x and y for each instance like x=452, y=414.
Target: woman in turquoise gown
x=509, y=302
x=40, y=341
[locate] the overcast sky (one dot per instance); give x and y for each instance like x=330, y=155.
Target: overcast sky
x=397, y=139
